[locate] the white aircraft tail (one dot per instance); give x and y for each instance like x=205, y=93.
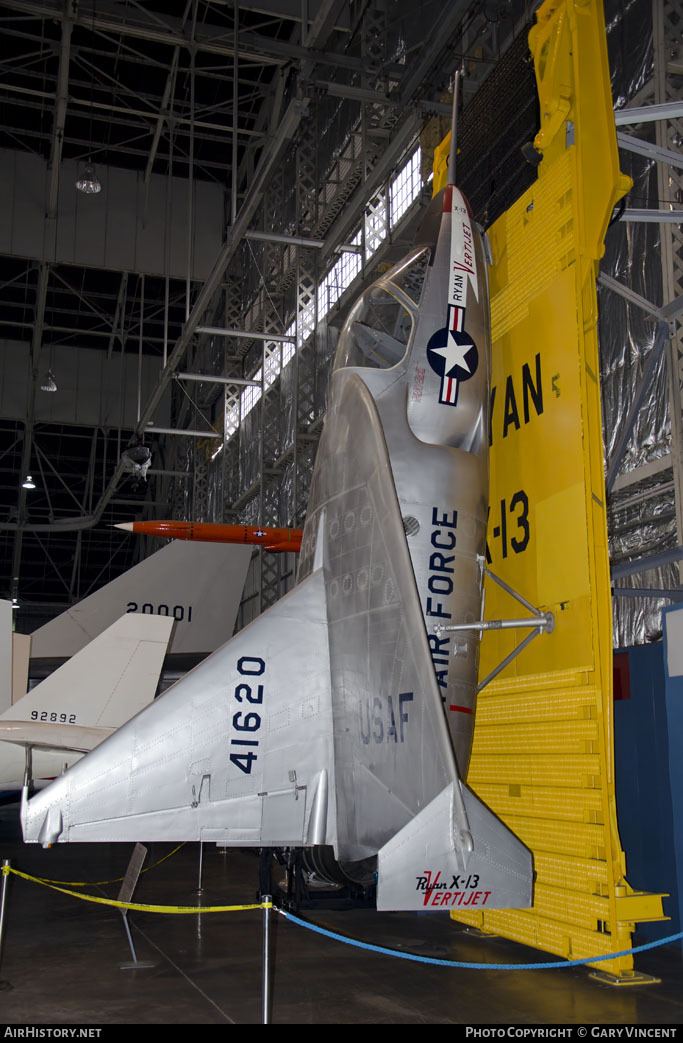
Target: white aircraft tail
x=15, y=651
x=86, y=699
x=196, y=585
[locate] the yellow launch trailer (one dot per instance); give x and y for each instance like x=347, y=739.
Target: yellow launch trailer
x=543, y=743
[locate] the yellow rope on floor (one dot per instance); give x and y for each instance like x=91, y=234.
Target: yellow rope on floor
x=101, y=883
x=140, y=907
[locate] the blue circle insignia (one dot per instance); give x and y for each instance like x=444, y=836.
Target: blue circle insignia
x=452, y=354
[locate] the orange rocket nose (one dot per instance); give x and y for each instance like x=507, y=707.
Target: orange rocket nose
x=271, y=539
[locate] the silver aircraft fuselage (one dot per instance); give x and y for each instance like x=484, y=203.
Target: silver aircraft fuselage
x=420, y=339
x=339, y=719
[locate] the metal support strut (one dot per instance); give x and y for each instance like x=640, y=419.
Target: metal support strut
x=26, y=785
x=542, y=623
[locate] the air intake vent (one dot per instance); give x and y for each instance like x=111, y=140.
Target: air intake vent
x=411, y=526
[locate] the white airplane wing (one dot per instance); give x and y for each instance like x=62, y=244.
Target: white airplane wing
x=39, y=735
x=320, y=723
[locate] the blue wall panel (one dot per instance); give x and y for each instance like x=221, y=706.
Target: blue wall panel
x=672, y=618
x=642, y=730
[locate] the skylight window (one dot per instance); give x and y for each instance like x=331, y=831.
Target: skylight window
x=250, y=396
x=405, y=188
x=339, y=278
x=403, y=191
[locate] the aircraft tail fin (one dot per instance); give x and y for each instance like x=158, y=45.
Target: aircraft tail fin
x=197, y=585
x=422, y=867
x=107, y=682
x=237, y=752
x=15, y=650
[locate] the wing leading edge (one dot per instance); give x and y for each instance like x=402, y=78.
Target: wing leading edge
x=320, y=723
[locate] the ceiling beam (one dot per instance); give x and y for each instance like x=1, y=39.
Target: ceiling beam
x=105, y=16
x=58, y=122
x=60, y=109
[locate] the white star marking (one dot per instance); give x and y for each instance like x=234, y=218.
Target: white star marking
x=454, y=354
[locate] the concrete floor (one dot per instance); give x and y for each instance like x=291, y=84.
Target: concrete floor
x=62, y=957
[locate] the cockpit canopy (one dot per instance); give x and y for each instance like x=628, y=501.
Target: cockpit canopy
x=379, y=328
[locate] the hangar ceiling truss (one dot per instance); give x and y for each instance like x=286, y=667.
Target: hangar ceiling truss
x=206, y=122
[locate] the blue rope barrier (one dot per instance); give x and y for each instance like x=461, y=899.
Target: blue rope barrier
x=476, y=966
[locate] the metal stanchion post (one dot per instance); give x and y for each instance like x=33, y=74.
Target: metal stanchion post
x=200, y=889
x=267, y=902
x=130, y=882
x=4, y=985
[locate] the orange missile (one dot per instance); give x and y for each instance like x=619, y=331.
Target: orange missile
x=205, y=532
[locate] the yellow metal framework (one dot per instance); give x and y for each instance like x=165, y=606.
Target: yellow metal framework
x=543, y=745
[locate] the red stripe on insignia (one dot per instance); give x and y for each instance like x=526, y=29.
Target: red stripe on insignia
x=457, y=319
x=462, y=709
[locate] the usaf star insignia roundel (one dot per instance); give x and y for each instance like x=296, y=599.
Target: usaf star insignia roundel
x=453, y=355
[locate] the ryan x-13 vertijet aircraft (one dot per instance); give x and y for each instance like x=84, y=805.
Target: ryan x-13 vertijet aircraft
x=339, y=718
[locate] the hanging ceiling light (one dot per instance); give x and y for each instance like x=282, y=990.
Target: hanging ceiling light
x=89, y=181
x=28, y=483
x=136, y=460
x=49, y=384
